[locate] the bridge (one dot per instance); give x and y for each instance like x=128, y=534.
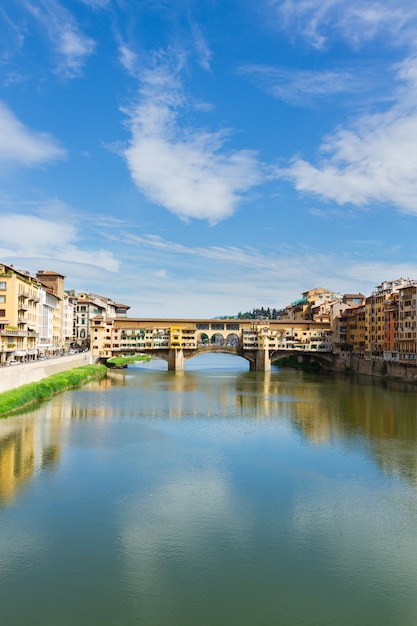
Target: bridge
x=175, y=340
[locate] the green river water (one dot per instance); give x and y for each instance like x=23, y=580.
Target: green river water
x=214, y=496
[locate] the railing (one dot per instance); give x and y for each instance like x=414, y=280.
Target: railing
x=18, y=333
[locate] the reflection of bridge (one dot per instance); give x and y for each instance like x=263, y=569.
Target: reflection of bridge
x=258, y=341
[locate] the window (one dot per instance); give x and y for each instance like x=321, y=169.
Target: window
x=2, y=284
x=2, y=298
x=2, y=312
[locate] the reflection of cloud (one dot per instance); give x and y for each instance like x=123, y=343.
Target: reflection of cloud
x=18, y=547
x=177, y=521
x=351, y=523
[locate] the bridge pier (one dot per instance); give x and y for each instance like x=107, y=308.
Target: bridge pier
x=262, y=362
x=175, y=360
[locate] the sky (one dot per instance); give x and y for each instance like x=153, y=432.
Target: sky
x=207, y=157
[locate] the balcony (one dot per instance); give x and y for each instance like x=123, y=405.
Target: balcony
x=18, y=333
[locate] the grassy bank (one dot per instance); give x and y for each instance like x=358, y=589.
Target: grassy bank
x=15, y=399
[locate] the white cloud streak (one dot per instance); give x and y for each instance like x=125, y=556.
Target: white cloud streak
x=303, y=87
x=373, y=161
x=28, y=236
x=203, y=50
x=185, y=170
x=70, y=45
x=23, y=146
x=320, y=21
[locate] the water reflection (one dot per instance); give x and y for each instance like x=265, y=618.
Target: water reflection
x=378, y=417
x=28, y=444
x=218, y=497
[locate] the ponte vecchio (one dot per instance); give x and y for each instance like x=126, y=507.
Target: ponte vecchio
x=175, y=340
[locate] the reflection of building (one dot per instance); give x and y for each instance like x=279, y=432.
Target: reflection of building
x=16, y=461
x=27, y=444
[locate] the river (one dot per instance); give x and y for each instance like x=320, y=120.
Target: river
x=214, y=496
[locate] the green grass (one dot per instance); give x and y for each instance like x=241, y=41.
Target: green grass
x=15, y=399
x=124, y=360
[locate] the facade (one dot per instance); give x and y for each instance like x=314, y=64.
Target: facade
x=406, y=335
x=38, y=318
x=54, y=284
x=111, y=336
x=19, y=298
x=314, y=304
x=69, y=316
x=89, y=306
x=47, y=322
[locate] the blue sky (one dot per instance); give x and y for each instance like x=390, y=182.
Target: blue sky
x=206, y=157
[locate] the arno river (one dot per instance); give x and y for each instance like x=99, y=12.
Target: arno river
x=214, y=496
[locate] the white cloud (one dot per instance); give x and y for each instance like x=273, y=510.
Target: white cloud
x=21, y=145
x=185, y=170
x=128, y=58
x=197, y=284
x=373, y=161
x=319, y=21
x=71, y=46
x=29, y=237
x=204, y=52
x=302, y=87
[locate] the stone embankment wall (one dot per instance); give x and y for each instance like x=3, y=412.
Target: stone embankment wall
x=376, y=367
x=14, y=376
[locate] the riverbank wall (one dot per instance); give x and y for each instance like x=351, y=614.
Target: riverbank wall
x=17, y=375
x=377, y=367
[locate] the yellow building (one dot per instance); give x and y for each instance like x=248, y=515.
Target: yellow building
x=19, y=298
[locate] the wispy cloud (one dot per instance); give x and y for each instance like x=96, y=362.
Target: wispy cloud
x=203, y=50
x=24, y=146
x=300, y=87
x=196, y=280
x=128, y=58
x=70, y=45
x=374, y=160
x=188, y=171
x=320, y=21
x=33, y=237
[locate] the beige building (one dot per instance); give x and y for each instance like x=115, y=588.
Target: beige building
x=89, y=306
x=314, y=304
x=406, y=335
x=19, y=298
x=54, y=284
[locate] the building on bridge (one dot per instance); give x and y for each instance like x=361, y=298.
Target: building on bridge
x=259, y=341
